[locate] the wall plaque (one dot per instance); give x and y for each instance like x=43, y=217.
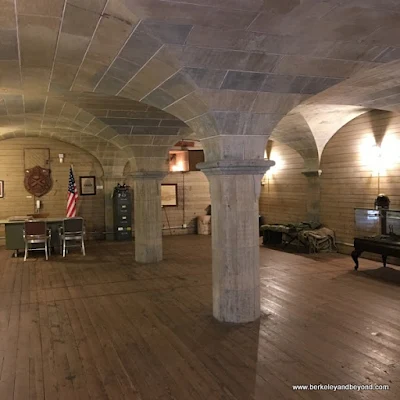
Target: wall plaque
x=38, y=181
x=169, y=194
x=87, y=185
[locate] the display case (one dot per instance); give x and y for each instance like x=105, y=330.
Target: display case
x=369, y=222
x=392, y=219
x=377, y=231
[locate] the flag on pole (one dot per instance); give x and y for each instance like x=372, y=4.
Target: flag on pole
x=72, y=195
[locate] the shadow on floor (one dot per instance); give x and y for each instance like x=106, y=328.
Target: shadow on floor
x=387, y=274
x=304, y=252
x=293, y=249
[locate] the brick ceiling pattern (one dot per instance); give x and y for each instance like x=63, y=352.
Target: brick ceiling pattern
x=139, y=75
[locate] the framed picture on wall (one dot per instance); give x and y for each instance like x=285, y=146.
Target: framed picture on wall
x=1, y=189
x=87, y=185
x=169, y=195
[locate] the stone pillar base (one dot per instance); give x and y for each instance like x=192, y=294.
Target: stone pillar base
x=204, y=225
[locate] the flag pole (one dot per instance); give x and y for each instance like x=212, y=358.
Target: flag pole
x=72, y=193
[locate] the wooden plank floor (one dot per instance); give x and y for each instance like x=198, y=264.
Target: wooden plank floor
x=104, y=327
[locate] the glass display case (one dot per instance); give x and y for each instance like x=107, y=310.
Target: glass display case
x=370, y=222
x=367, y=222
x=392, y=222
x=377, y=231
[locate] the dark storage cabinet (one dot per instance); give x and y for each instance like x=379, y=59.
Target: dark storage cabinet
x=272, y=237
x=122, y=214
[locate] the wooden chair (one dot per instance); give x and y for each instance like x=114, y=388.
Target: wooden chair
x=36, y=232
x=72, y=230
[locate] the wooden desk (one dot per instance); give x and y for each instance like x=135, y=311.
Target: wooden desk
x=385, y=245
x=14, y=233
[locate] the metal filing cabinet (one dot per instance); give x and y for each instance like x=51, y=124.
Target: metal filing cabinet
x=122, y=213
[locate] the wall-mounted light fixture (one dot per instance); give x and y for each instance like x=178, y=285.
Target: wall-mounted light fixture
x=61, y=157
x=179, y=160
x=279, y=163
x=380, y=158
x=274, y=156
x=376, y=160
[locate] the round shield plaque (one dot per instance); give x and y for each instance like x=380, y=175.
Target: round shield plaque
x=38, y=181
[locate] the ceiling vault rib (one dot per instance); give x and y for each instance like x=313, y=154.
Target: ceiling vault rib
x=136, y=73
x=178, y=100
x=140, y=69
x=115, y=58
x=44, y=113
x=89, y=44
x=19, y=50
x=56, y=49
x=197, y=116
x=158, y=86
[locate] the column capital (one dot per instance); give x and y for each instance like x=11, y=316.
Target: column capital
x=311, y=173
x=236, y=167
x=107, y=178
x=148, y=175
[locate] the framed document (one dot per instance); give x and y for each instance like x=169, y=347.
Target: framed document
x=87, y=185
x=169, y=195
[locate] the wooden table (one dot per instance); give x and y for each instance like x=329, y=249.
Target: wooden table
x=14, y=233
x=385, y=245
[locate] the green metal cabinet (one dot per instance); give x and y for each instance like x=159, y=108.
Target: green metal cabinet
x=122, y=214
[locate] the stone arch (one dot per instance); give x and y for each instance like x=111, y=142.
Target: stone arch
x=259, y=62
x=85, y=162
x=67, y=114
x=107, y=154
x=125, y=123
x=294, y=131
x=327, y=112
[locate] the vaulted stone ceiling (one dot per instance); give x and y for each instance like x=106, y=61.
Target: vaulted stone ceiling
x=139, y=74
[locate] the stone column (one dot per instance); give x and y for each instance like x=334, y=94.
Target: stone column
x=148, y=216
x=313, y=195
x=109, y=185
x=235, y=189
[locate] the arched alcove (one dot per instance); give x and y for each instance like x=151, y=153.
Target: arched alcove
x=355, y=171
x=18, y=202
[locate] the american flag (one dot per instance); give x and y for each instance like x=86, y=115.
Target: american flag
x=72, y=195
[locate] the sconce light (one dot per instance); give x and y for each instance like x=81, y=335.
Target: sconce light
x=179, y=160
x=379, y=158
x=378, y=152
x=376, y=161
x=61, y=157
